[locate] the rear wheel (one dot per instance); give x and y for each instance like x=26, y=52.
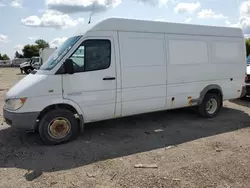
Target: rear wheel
x=210, y=106
x=58, y=126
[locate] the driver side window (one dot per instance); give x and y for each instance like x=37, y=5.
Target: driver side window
x=78, y=59
x=92, y=55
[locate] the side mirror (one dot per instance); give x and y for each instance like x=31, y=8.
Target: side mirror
x=68, y=66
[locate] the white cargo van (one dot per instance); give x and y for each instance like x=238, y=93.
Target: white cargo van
x=122, y=67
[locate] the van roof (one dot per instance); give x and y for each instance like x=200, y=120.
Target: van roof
x=122, y=24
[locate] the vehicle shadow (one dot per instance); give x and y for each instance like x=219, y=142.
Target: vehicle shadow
x=114, y=138
x=245, y=101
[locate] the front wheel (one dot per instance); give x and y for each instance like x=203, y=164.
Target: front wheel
x=27, y=70
x=58, y=126
x=210, y=106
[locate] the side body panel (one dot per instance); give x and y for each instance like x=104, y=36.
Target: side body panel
x=143, y=72
x=194, y=62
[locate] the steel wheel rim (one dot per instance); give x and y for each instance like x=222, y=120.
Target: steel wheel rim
x=59, y=128
x=211, y=106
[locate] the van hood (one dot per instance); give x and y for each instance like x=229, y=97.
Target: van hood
x=35, y=85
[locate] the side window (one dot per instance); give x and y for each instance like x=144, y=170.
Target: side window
x=78, y=59
x=92, y=55
x=98, y=55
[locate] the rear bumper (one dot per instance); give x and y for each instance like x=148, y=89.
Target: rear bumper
x=21, y=120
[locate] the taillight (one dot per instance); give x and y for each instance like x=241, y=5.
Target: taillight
x=246, y=78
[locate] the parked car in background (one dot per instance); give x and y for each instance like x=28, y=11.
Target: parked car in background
x=123, y=67
x=15, y=63
x=248, y=76
x=36, y=62
x=30, y=65
x=5, y=63
x=18, y=61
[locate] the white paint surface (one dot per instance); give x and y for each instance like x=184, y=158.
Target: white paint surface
x=153, y=62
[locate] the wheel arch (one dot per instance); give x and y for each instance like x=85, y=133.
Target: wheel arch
x=212, y=88
x=64, y=104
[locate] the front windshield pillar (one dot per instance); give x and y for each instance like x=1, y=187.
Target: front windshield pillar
x=59, y=54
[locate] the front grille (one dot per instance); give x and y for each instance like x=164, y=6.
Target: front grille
x=248, y=79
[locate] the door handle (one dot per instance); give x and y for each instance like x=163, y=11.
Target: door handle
x=109, y=78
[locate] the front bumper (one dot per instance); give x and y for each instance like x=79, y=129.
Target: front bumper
x=21, y=120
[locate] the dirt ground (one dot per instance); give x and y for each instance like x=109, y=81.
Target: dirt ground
x=189, y=151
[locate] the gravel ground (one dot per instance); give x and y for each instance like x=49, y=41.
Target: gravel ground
x=189, y=151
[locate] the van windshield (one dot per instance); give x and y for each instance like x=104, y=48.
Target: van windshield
x=35, y=60
x=56, y=57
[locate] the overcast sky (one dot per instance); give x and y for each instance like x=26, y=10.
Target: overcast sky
x=24, y=21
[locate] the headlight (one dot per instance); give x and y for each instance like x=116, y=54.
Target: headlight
x=14, y=104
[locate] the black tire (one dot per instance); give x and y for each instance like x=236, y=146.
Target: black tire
x=27, y=70
x=202, y=107
x=44, y=125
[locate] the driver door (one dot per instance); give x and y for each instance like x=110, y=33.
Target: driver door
x=93, y=84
